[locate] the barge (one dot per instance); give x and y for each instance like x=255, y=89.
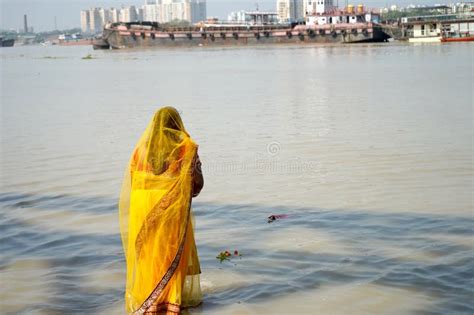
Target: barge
x=335, y=26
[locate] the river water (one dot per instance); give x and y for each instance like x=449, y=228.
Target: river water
x=367, y=150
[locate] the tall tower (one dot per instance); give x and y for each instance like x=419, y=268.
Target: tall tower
x=290, y=10
x=114, y=15
x=25, y=23
x=85, y=21
x=197, y=11
x=95, y=20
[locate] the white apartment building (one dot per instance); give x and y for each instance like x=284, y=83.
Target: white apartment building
x=152, y=13
x=162, y=11
x=95, y=19
x=290, y=10
x=85, y=21
x=140, y=14
x=104, y=16
x=114, y=15
x=173, y=10
x=128, y=14
x=189, y=10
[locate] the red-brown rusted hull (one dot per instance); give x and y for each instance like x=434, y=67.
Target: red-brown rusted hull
x=129, y=35
x=457, y=39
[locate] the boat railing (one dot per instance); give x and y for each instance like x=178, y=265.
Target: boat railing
x=203, y=29
x=441, y=17
x=337, y=26
x=345, y=11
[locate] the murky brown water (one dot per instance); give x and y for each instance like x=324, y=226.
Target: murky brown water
x=368, y=150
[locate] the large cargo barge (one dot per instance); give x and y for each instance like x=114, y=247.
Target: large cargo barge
x=348, y=26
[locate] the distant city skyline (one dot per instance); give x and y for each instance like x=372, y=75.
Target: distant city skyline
x=93, y=20
x=43, y=15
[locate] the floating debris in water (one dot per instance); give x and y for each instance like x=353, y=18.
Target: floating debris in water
x=226, y=255
x=275, y=217
x=88, y=57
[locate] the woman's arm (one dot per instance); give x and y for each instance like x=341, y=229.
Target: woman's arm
x=198, y=180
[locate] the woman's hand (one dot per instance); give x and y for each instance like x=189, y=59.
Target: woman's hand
x=198, y=179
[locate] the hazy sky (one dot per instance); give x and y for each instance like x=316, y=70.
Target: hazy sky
x=41, y=13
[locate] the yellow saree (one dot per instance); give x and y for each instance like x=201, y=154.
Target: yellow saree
x=155, y=219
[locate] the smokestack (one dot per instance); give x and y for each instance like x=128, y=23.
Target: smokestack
x=25, y=22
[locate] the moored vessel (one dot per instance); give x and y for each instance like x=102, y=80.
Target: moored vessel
x=438, y=28
x=73, y=40
x=6, y=42
x=350, y=25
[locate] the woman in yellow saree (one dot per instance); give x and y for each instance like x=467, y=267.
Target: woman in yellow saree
x=155, y=219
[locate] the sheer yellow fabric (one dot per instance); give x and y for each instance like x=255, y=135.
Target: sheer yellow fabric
x=155, y=219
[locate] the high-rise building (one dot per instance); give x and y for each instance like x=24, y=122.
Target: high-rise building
x=104, y=16
x=140, y=14
x=114, y=15
x=172, y=10
x=198, y=11
x=94, y=19
x=188, y=10
x=128, y=14
x=122, y=15
x=85, y=21
x=96, y=23
x=290, y=10
x=152, y=12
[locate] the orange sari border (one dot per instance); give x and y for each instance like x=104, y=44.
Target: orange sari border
x=164, y=308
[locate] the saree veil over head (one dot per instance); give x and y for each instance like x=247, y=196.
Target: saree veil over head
x=155, y=219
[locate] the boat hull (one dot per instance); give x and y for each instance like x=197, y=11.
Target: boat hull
x=119, y=39
x=433, y=39
x=457, y=39
x=7, y=43
x=79, y=42
x=99, y=43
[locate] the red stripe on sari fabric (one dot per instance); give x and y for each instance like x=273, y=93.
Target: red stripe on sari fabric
x=164, y=308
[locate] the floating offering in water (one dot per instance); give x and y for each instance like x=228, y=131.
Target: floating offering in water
x=226, y=255
x=274, y=217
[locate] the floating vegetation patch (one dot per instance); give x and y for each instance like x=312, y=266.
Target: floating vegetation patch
x=226, y=255
x=52, y=57
x=88, y=57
